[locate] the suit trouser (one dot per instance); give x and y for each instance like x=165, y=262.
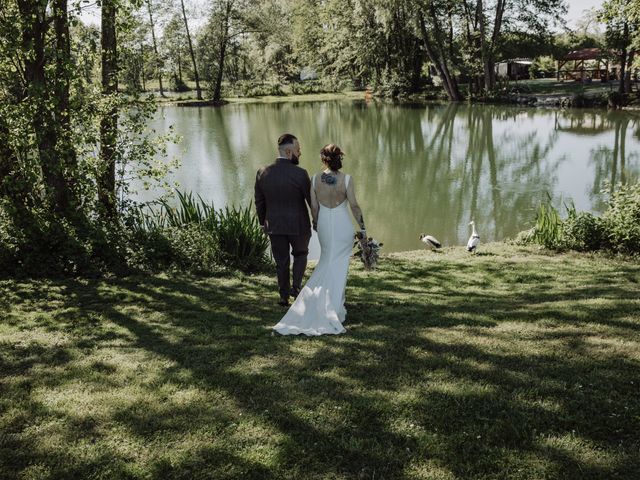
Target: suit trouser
x=299, y=245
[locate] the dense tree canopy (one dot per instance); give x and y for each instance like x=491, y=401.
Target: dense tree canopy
x=395, y=46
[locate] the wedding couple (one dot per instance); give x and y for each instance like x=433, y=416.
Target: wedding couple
x=283, y=190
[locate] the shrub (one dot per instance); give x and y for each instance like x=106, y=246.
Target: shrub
x=393, y=85
x=178, y=85
x=34, y=242
x=622, y=219
x=583, y=232
x=548, y=228
x=312, y=86
x=258, y=89
x=241, y=242
x=617, y=230
x=195, y=237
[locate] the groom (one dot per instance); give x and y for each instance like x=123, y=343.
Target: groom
x=281, y=190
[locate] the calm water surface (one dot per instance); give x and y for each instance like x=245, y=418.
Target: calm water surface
x=417, y=168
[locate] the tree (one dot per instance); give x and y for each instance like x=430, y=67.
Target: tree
x=109, y=122
x=176, y=46
x=432, y=17
x=157, y=61
x=226, y=8
x=487, y=22
x=48, y=93
x=622, y=22
x=191, y=51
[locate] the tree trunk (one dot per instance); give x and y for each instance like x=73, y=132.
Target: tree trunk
x=191, y=52
x=109, y=122
x=67, y=160
x=623, y=71
x=629, y=69
x=489, y=50
x=142, y=71
x=45, y=124
x=484, y=54
x=157, y=62
x=217, y=92
x=437, y=57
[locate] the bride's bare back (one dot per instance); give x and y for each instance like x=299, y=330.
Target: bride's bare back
x=333, y=195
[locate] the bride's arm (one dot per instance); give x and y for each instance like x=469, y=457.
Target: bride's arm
x=353, y=203
x=315, y=207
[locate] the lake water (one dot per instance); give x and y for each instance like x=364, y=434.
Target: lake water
x=416, y=168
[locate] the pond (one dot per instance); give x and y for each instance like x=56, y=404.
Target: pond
x=417, y=168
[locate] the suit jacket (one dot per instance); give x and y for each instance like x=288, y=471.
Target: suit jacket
x=281, y=190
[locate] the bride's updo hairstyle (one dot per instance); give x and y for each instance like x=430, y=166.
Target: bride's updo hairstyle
x=331, y=156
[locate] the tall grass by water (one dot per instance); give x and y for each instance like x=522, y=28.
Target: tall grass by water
x=617, y=230
x=234, y=233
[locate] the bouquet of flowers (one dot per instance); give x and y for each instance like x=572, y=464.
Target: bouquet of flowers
x=368, y=249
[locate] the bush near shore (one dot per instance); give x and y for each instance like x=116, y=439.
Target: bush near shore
x=617, y=230
x=191, y=237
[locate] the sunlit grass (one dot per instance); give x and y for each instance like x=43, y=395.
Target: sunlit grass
x=509, y=364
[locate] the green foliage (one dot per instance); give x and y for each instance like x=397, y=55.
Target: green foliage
x=548, y=228
x=190, y=248
x=622, y=219
x=583, y=231
x=327, y=85
x=188, y=211
x=37, y=244
x=618, y=230
x=252, y=89
x=543, y=67
x=178, y=85
x=393, y=85
x=194, y=236
x=241, y=242
x=52, y=112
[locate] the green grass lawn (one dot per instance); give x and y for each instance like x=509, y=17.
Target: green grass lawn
x=510, y=364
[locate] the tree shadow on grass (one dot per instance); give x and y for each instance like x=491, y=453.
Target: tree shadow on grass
x=421, y=380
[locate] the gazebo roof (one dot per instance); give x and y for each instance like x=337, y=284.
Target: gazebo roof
x=585, y=54
x=522, y=61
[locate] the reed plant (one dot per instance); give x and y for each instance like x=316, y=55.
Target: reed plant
x=234, y=233
x=617, y=230
x=548, y=228
x=241, y=242
x=189, y=210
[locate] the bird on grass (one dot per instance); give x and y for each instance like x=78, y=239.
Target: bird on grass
x=430, y=241
x=474, y=239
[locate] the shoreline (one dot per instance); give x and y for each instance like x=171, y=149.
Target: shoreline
x=559, y=101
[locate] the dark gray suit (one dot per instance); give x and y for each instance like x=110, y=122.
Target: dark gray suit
x=281, y=191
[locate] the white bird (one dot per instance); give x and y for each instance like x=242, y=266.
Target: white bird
x=430, y=241
x=474, y=239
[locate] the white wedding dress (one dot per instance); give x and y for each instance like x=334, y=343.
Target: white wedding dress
x=319, y=308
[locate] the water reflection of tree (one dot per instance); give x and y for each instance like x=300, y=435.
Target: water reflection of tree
x=445, y=166
x=614, y=164
x=420, y=168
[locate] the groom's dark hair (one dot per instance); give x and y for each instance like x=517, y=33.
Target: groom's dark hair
x=286, y=139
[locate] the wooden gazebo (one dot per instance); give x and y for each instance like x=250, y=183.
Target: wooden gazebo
x=587, y=63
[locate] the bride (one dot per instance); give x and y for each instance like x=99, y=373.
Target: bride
x=319, y=307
